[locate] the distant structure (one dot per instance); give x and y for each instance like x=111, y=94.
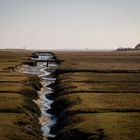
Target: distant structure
x=137, y=47
x=124, y=49
x=129, y=49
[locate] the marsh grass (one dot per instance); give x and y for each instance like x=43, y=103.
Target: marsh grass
x=9, y=59
x=18, y=127
x=99, y=60
x=16, y=103
x=97, y=103
x=98, y=83
x=116, y=126
x=97, y=95
x=18, y=113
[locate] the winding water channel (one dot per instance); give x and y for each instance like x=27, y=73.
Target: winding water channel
x=43, y=70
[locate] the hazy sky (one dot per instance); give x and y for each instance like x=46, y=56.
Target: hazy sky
x=68, y=24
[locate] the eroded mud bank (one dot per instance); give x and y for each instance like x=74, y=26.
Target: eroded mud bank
x=43, y=69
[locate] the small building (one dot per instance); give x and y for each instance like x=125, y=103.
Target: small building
x=137, y=47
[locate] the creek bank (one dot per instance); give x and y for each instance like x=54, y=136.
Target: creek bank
x=44, y=67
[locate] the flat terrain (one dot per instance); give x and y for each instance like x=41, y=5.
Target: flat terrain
x=97, y=95
x=18, y=113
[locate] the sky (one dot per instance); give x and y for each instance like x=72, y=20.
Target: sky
x=69, y=24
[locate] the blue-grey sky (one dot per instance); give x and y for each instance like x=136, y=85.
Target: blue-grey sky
x=69, y=24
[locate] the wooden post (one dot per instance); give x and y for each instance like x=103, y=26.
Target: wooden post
x=47, y=63
x=35, y=63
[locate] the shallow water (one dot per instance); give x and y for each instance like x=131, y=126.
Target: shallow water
x=46, y=119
